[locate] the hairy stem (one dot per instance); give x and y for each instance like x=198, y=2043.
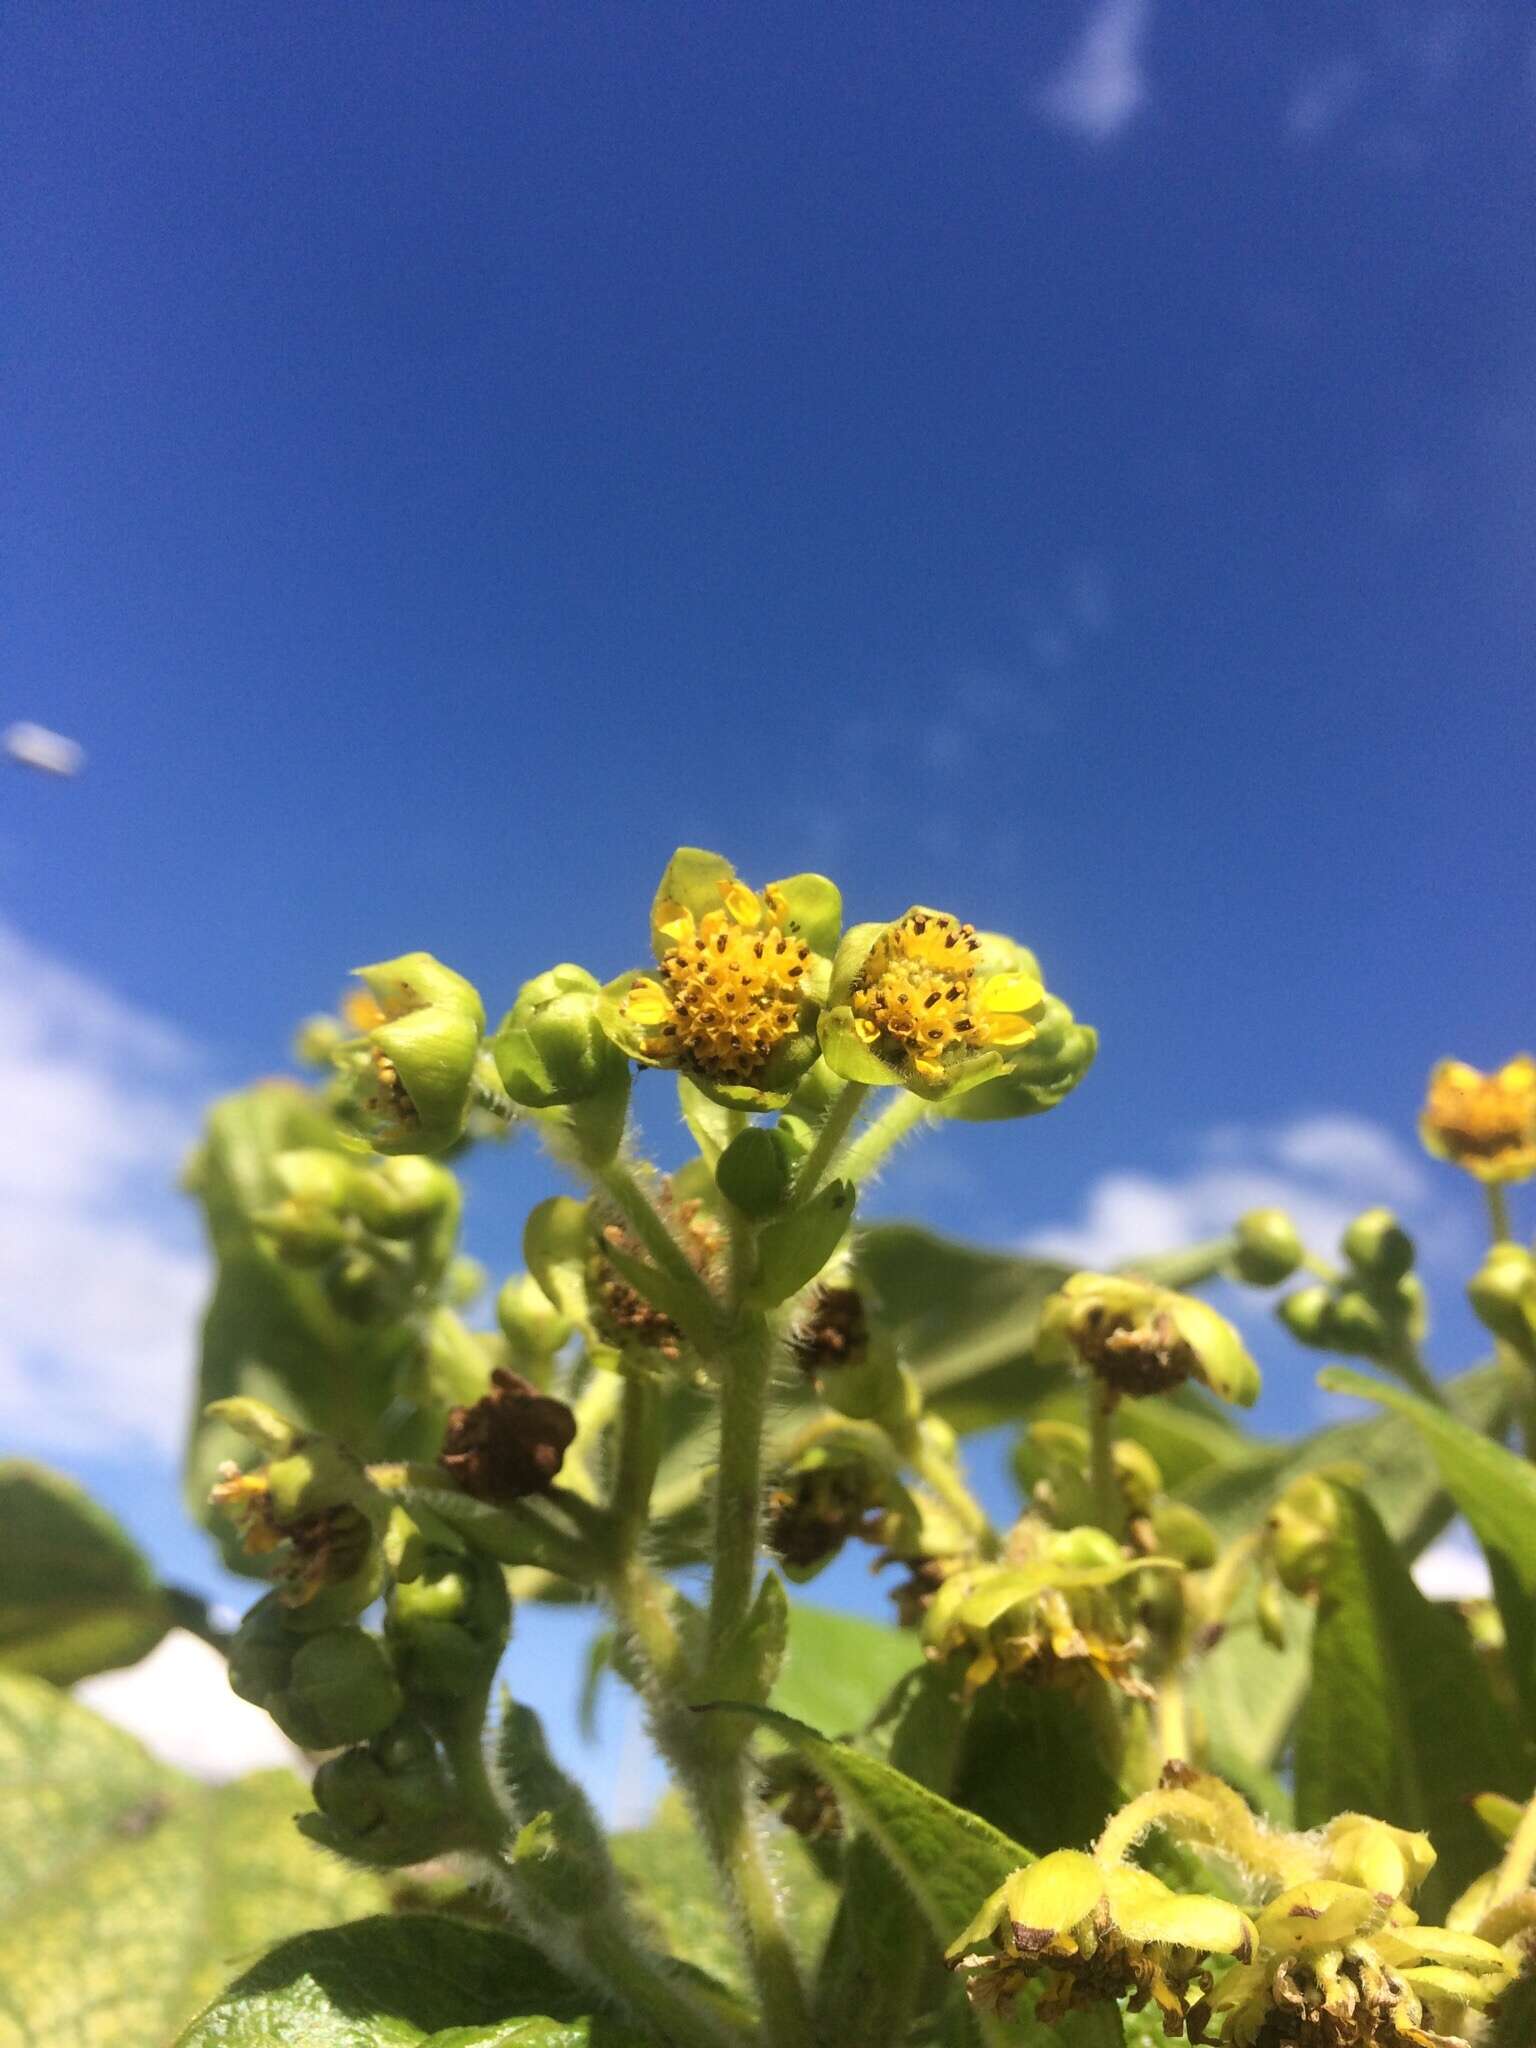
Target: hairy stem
x=641, y=1982
x=1108, y=1507
x=835, y=1126
x=1499, y=1224
x=739, y=1475
x=869, y=1149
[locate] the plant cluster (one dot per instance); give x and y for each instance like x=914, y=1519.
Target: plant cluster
x=1179, y=1752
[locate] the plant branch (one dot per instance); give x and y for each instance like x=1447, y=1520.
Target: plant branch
x=876, y=1140
x=835, y=1126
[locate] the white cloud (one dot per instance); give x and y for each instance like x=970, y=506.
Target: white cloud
x=99, y=1282
x=1322, y=1169
x=1101, y=87
x=178, y=1703
x=1322, y=99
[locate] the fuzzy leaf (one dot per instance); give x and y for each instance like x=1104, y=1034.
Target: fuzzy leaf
x=76, y=1595
x=128, y=1894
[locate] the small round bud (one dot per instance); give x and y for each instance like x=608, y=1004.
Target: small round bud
x=1503, y=1296
x=1300, y=1532
x=1378, y=1247
x=406, y=1195
x=551, y=1051
x=1308, y=1315
x=1183, y=1532
x=1357, y=1324
x=1268, y=1248
x=534, y=1328
x=340, y=1689
x=755, y=1171
x=390, y=1803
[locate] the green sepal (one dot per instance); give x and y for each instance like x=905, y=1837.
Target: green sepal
x=410, y=1196
x=389, y=1803
x=792, y=1250
x=434, y=1051
x=417, y=981
x=564, y=1862
x=815, y=910
x=550, y=1049
x=1378, y=1247
x=258, y=1422
x=1036, y=1076
x=845, y=1052
x=691, y=880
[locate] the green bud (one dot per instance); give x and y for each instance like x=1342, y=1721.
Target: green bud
x=365, y=1286
x=1038, y=1075
x=388, y=1804
x=423, y=1080
x=556, y=1244
x=313, y=1220
x=534, y=1329
x=1137, y=1473
x=448, y=1627
x=315, y=1514
x=1308, y=1315
x=1268, y=1248
x=1503, y=1296
x=416, y=981
x=323, y=1690
x=1357, y=1324
x=551, y=1050
x=406, y=1196
x=1183, y=1532
x=1378, y=1247
x=317, y=1041
x=756, y=1171
x=1300, y=1532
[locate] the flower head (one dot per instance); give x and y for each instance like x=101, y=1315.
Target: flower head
x=1093, y=1933
x=309, y=1510
x=509, y=1443
x=1052, y=1619
x=1338, y=1966
x=739, y=979
x=1484, y=1123
x=929, y=1003
x=1139, y=1339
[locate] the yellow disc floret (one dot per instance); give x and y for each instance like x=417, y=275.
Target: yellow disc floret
x=729, y=989
x=1483, y=1122
x=922, y=994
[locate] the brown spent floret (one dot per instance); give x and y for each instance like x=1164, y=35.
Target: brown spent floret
x=1133, y=1358
x=509, y=1443
x=834, y=1333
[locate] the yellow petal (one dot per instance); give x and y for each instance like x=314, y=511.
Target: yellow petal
x=675, y=922
x=1056, y=1894
x=1146, y=1910
x=647, y=1003
x=1003, y=1029
x=743, y=905
x=1011, y=992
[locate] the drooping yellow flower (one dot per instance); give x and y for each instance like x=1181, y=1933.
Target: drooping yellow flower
x=1484, y=1123
x=1094, y=1933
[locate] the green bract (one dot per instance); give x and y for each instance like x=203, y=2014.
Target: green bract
x=739, y=980
x=413, y=1088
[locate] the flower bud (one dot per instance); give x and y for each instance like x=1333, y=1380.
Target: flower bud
x=1268, y=1248
x=756, y=1171
x=1038, y=1075
x=448, y=1626
x=406, y=1196
x=550, y=1049
x=534, y=1329
x=1308, y=1315
x=1379, y=1248
x=1182, y=1532
x=389, y=1804
x=1139, y=1339
x=1503, y=1296
x=509, y=1443
x=323, y=1690
x=1301, y=1530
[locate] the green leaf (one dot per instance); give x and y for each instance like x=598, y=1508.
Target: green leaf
x=1032, y=1763
x=76, y=1595
x=793, y=1249
x=966, y=1319
x=838, y=1668
x=394, y=1982
x=1398, y=1720
x=1496, y=1491
x=128, y=1893
x=948, y=1858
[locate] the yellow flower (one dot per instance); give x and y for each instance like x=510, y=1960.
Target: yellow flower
x=1485, y=1123
x=928, y=1002
x=739, y=977
x=1342, y=1967
x=1094, y=1933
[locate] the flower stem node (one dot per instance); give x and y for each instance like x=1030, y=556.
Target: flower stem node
x=1483, y=1123
x=930, y=1004
x=1503, y=1296
x=323, y=1690
x=1268, y=1249
x=447, y=1627
x=509, y=1443
x=739, y=980
x=1138, y=1339
x=1092, y=1933
x=412, y=1073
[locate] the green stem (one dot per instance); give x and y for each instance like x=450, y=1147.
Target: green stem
x=869, y=1149
x=739, y=1475
x=1411, y=1369
x=1108, y=1507
x=942, y=1476
x=632, y=1203
x=1186, y=1268
x=641, y=1982
x=500, y=1106
x=1519, y=1858
x=1499, y=1222
x=835, y=1126
x=634, y=1471
x=728, y=1817
x=1172, y=1717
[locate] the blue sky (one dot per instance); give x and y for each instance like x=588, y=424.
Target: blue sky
x=1073, y=464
